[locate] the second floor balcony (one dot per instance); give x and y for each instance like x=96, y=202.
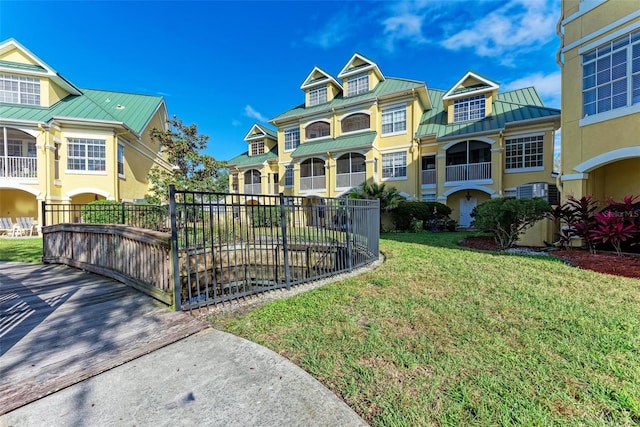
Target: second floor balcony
x=312, y=183
x=428, y=177
x=468, y=172
x=344, y=180
x=253, y=188
x=18, y=167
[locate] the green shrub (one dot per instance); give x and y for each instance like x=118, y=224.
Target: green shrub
x=262, y=216
x=102, y=212
x=506, y=219
x=434, y=216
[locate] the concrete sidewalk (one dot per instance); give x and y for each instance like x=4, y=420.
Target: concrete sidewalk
x=211, y=378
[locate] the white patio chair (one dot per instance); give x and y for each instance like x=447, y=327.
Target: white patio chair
x=6, y=226
x=26, y=225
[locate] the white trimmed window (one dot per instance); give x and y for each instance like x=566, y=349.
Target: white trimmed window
x=611, y=75
x=257, y=147
x=471, y=108
x=120, y=159
x=524, y=153
x=394, y=165
x=356, y=122
x=318, y=96
x=291, y=139
x=394, y=120
x=288, y=176
x=317, y=130
x=19, y=90
x=358, y=84
x=85, y=154
x=429, y=197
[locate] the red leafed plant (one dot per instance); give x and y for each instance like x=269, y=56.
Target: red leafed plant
x=611, y=228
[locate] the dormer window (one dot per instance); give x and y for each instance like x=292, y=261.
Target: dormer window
x=358, y=84
x=19, y=90
x=471, y=108
x=318, y=96
x=257, y=147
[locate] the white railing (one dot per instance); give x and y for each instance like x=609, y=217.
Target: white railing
x=468, y=172
x=312, y=183
x=253, y=188
x=344, y=180
x=18, y=167
x=429, y=176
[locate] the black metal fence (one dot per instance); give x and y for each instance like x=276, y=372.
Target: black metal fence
x=234, y=245
x=151, y=217
x=228, y=246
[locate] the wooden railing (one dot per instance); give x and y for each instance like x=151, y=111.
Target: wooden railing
x=137, y=257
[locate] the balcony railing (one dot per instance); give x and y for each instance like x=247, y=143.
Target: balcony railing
x=312, y=183
x=469, y=172
x=428, y=176
x=350, y=179
x=18, y=167
x=253, y=188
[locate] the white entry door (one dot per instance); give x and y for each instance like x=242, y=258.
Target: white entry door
x=466, y=206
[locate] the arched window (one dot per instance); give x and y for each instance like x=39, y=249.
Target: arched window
x=252, y=177
x=312, y=174
x=350, y=170
x=318, y=130
x=356, y=122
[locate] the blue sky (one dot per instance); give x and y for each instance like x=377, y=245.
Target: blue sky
x=226, y=65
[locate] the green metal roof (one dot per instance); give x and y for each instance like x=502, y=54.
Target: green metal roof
x=341, y=143
x=91, y=105
x=390, y=85
x=20, y=66
x=512, y=106
x=245, y=159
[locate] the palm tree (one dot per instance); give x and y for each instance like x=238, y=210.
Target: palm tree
x=389, y=198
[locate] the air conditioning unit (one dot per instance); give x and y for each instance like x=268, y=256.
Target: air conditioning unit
x=544, y=190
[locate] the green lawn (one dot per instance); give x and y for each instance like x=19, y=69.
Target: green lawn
x=21, y=249
x=440, y=335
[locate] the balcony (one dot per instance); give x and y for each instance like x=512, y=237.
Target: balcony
x=429, y=177
x=312, y=183
x=468, y=172
x=348, y=180
x=18, y=167
x=253, y=188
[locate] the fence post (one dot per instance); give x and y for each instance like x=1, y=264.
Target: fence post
x=348, y=234
x=174, y=248
x=285, y=248
x=43, y=214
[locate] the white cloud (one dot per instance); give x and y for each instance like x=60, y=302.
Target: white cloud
x=333, y=33
x=250, y=112
x=236, y=123
x=405, y=27
x=505, y=32
x=547, y=85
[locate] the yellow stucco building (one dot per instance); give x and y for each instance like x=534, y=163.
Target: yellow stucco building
x=600, y=98
x=62, y=144
x=459, y=146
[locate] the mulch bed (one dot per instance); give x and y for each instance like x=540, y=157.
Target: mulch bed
x=602, y=262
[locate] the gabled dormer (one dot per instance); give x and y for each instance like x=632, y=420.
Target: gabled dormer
x=27, y=80
x=261, y=140
x=359, y=75
x=319, y=87
x=470, y=98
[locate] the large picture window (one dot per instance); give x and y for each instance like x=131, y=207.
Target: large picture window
x=611, y=75
x=524, y=153
x=257, y=148
x=355, y=122
x=317, y=130
x=291, y=139
x=19, y=90
x=394, y=120
x=394, y=165
x=86, y=154
x=471, y=108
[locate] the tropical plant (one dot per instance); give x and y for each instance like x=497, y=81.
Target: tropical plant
x=389, y=197
x=507, y=219
x=579, y=217
x=612, y=228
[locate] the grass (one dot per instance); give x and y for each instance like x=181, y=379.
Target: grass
x=441, y=335
x=21, y=250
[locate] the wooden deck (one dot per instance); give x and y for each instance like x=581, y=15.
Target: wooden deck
x=60, y=325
